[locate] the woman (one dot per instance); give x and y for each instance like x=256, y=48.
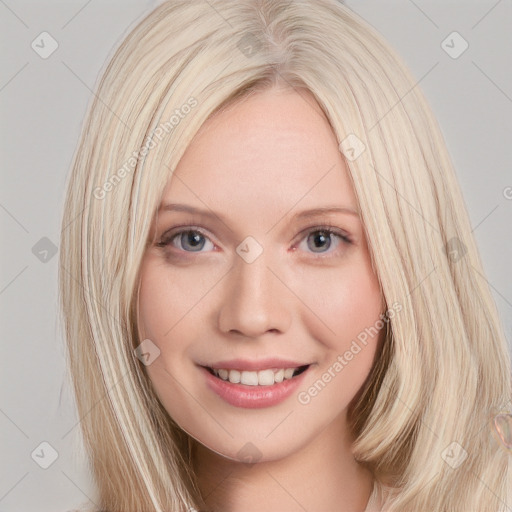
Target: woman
x=222, y=359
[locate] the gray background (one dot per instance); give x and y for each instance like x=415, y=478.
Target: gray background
x=43, y=102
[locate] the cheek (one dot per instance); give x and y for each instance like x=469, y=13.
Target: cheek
x=171, y=312
x=166, y=317
x=153, y=302
x=344, y=301
x=344, y=316
x=355, y=306
x=168, y=299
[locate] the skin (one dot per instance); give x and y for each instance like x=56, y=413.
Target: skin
x=257, y=164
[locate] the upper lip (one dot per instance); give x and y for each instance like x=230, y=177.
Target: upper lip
x=261, y=364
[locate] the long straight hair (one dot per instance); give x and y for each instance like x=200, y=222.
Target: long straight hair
x=422, y=419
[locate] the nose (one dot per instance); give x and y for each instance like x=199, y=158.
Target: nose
x=255, y=300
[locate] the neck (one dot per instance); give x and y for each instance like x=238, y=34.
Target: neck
x=322, y=475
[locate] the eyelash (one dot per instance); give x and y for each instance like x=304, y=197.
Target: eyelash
x=328, y=229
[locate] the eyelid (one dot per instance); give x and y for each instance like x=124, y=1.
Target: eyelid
x=326, y=226
x=167, y=237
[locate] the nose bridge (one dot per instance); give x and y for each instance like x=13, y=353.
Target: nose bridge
x=254, y=279
x=255, y=301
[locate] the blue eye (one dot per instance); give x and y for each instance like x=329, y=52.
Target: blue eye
x=323, y=238
x=192, y=240
x=189, y=238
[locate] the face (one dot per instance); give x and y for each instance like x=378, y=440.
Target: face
x=247, y=280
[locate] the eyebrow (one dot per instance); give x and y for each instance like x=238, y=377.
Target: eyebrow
x=306, y=214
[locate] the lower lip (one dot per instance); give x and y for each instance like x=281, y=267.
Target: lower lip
x=253, y=397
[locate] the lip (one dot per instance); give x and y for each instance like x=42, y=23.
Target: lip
x=253, y=397
x=262, y=364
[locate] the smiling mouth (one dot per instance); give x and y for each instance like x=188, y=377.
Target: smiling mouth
x=267, y=377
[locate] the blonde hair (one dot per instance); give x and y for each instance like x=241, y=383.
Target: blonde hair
x=444, y=370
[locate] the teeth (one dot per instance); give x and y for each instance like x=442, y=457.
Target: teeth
x=249, y=378
x=265, y=377
x=288, y=373
x=259, y=378
x=234, y=376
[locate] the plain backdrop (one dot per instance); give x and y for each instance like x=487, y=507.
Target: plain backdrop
x=43, y=102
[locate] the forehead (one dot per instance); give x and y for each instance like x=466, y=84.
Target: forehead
x=264, y=154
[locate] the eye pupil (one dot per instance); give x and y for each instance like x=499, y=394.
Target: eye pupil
x=192, y=237
x=320, y=237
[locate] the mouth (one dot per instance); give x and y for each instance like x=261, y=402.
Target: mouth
x=265, y=377
x=255, y=384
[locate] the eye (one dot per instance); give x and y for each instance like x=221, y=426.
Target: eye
x=188, y=240
x=320, y=239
